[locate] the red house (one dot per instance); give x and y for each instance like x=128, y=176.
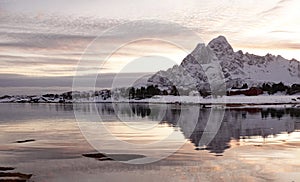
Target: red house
x=253, y=91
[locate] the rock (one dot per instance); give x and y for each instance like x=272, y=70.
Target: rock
x=10, y=177
x=25, y=141
x=114, y=157
x=6, y=168
x=94, y=155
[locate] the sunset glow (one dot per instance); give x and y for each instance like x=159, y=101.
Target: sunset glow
x=48, y=38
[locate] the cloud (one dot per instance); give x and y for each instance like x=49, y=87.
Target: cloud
x=49, y=41
x=44, y=42
x=37, y=60
x=273, y=45
x=279, y=6
x=281, y=31
x=290, y=45
x=103, y=80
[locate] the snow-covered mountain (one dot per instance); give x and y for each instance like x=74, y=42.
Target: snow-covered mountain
x=237, y=68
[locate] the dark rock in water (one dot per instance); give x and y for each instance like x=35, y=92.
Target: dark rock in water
x=95, y=155
x=5, y=97
x=25, y=141
x=9, y=177
x=115, y=157
x=218, y=155
x=125, y=157
x=6, y=168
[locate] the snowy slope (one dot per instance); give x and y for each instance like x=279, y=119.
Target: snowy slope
x=237, y=68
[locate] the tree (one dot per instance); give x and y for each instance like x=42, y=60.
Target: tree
x=132, y=93
x=280, y=87
x=266, y=87
x=157, y=90
x=143, y=92
x=245, y=86
x=295, y=88
x=138, y=93
x=165, y=92
x=150, y=91
x=174, y=91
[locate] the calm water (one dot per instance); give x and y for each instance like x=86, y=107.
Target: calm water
x=246, y=137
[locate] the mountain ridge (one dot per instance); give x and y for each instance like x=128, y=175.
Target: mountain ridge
x=237, y=67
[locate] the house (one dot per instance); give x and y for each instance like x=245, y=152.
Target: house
x=253, y=91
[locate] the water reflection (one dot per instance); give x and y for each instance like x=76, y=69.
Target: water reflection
x=243, y=123
x=238, y=124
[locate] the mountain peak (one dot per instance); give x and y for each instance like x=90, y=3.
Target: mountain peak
x=219, y=39
x=202, y=54
x=220, y=44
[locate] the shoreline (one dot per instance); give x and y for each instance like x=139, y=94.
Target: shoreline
x=226, y=101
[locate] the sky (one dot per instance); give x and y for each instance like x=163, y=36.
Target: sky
x=51, y=39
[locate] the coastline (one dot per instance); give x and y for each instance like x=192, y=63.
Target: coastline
x=228, y=101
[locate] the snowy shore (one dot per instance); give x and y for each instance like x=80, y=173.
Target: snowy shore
x=234, y=100
x=262, y=99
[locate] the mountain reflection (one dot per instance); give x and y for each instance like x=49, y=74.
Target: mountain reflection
x=190, y=120
x=238, y=123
